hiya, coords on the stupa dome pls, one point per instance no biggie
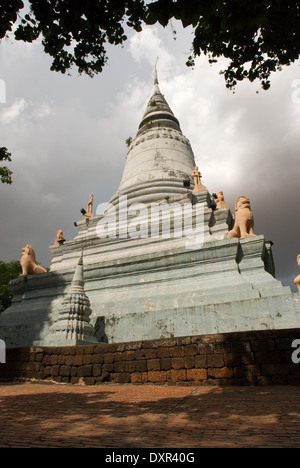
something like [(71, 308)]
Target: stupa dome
[(160, 157)]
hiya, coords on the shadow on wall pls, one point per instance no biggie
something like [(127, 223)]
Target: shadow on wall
[(36, 298)]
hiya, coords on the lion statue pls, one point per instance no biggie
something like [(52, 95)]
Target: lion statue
[(28, 262), (243, 223), (297, 279), (59, 237), (220, 203)]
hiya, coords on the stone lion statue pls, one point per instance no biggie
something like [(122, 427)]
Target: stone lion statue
[(243, 223), (297, 279), (59, 237), (220, 200), (28, 262)]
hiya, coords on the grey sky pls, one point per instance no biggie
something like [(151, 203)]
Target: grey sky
[(67, 137)]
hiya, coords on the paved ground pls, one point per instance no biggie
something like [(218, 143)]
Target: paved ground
[(148, 416)]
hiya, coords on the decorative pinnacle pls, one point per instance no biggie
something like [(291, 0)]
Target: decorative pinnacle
[(156, 88), (77, 284)]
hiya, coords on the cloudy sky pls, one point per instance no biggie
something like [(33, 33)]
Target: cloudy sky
[(67, 138)]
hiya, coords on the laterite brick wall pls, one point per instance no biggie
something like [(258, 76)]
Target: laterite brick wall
[(244, 358)]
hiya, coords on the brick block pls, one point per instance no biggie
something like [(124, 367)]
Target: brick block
[(108, 358), (201, 361), (196, 374), (222, 347), (166, 363), (232, 359), (215, 360), (100, 349), (97, 358), (189, 362), (39, 375), (163, 353), (104, 377), (65, 371), (153, 364), (264, 380), (122, 377), (61, 359), (87, 359), (177, 351), (118, 356), (177, 375), (128, 355), (206, 348), (53, 370), (78, 360), (156, 376), (141, 366), (97, 370), (220, 372), (136, 377), (115, 347), (69, 361), (119, 367), (107, 368), (241, 347), (39, 357), (88, 349), (178, 363), (46, 360), (85, 371), (145, 354), (68, 350), (130, 366), (191, 350)]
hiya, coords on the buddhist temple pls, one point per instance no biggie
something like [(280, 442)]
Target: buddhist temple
[(166, 258)]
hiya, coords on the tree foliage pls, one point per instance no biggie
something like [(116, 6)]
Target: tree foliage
[(8, 271), (257, 37), (5, 173)]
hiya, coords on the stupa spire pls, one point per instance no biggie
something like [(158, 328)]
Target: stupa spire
[(158, 112), (156, 86), (159, 158)]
